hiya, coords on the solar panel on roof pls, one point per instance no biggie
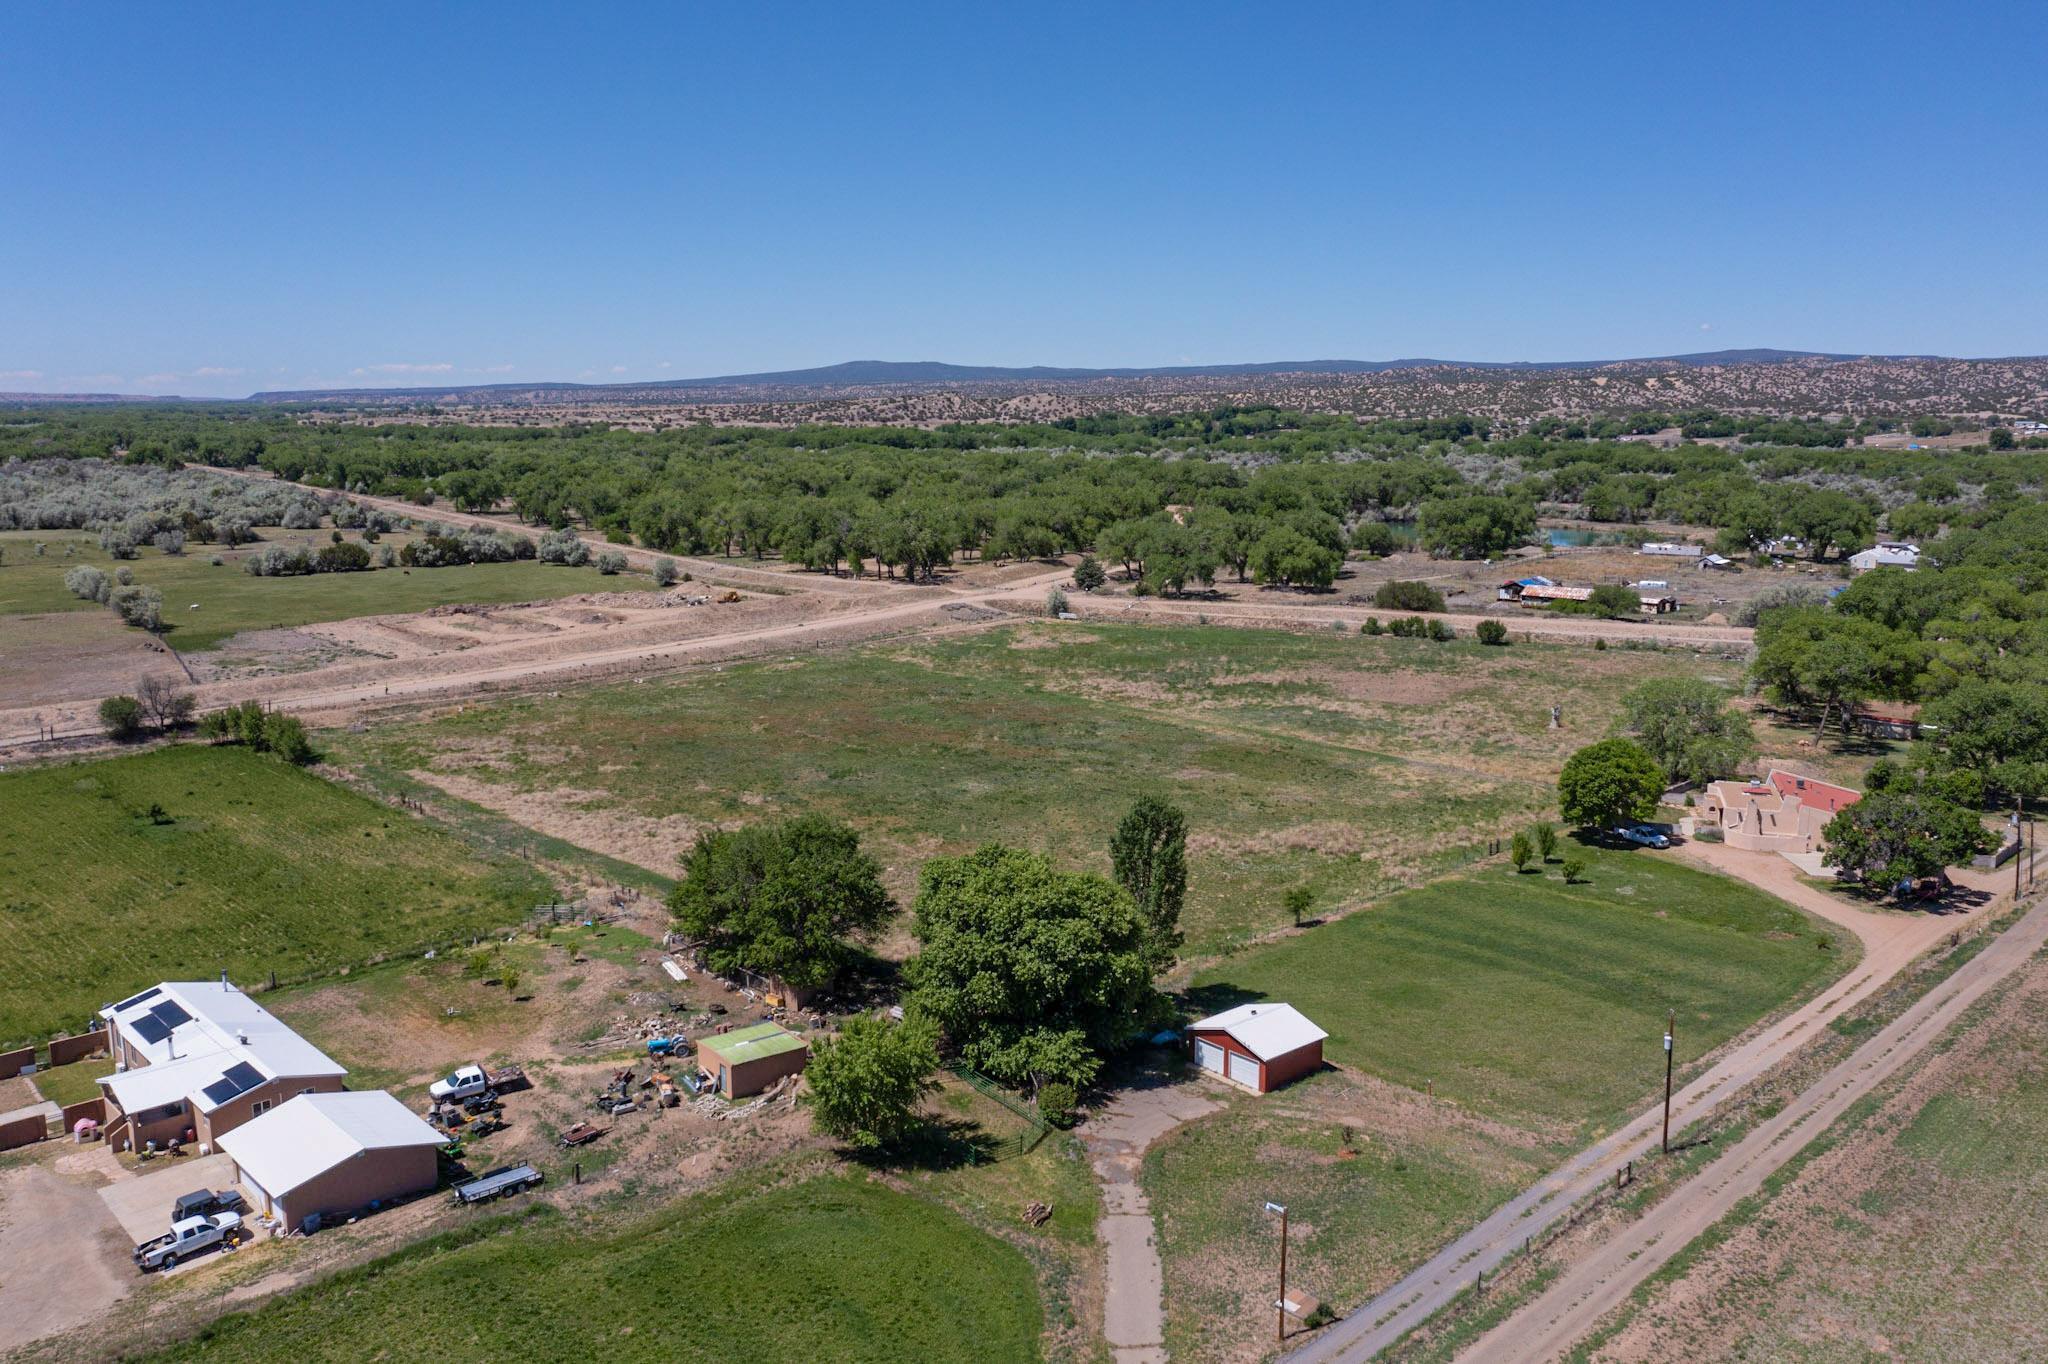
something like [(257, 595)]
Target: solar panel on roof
[(170, 1014), (132, 1000), (220, 1091), (242, 1076), (150, 1028)]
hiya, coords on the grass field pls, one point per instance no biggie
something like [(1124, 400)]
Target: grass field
[(826, 1268), (75, 1083), (1351, 765), (231, 601), (1536, 1003), (1373, 1182), (257, 867)]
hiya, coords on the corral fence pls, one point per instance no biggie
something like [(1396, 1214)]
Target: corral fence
[(1021, 1143)]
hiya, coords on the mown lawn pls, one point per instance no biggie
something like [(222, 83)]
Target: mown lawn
[(72, 1084), (830, 1268), (230, 600), (1043, 737), (1537, 1003), (253, 866)]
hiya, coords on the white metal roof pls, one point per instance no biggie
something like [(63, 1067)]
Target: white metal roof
[(1265, 1030), (307, 1136), (195, 1033)]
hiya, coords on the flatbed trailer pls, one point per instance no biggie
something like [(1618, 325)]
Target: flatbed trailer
[(512, 1179)]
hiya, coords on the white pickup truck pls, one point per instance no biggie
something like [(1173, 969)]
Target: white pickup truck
[(473, 1080), (187, 1238)]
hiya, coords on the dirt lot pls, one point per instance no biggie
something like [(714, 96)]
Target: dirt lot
[(66, 1262)]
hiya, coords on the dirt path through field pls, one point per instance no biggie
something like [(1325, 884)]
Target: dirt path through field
[(1890, 941), (1587, 1292)]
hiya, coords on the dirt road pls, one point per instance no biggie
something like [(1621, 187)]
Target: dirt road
[(1528, 625), (1890, 941), (1573, 1305)]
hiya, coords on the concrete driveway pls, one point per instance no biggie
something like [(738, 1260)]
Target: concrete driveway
[(142, 1205)]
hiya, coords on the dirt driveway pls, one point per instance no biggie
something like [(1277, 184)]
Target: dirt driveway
[(63, 1259)]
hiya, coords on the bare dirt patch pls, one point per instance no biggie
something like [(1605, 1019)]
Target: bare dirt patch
[(590, 819)]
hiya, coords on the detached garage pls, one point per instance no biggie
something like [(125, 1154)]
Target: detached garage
[(332, 1154), (1260, 1046)]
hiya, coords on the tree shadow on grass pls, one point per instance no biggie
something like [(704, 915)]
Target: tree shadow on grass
[(938, 1145)]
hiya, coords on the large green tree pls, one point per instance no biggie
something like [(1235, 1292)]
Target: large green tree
[(866, 1085), (1475, 526), (1687, 726), (1032, 972), (1148, 856), (1892, 838), (786, 900), (1609, 783)]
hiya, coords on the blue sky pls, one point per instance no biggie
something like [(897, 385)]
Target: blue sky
[(217, 198)]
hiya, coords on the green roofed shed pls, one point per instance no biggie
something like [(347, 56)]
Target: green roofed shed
[(748, 1060)]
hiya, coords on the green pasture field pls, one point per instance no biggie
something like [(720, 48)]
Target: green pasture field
[(1354, 766), (1536, 1003), (230, 600), (257, 867), (825, 1268)]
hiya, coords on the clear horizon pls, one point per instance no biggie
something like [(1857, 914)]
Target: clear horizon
[(252, 198)]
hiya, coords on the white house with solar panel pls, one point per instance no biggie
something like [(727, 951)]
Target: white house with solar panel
[(194, 1059)]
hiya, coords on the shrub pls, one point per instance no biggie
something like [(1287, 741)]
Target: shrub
[(1057, 1101), (1055, 603), (386, 557), (125, 576), (1401, 595), (611, 563), (301, 515), (341, 558), (1440, 631), (1574, 868), (664, 572), (1615, 602), (1544, 835), (234, 530), (87, 584), (216, 561), (1089, 574), (117, 543), (121, 717), (1372, 626), (1521, 851), (1492, 632), (286, 737), (334, 536), (561, 547), (142, 607), (170, 541)]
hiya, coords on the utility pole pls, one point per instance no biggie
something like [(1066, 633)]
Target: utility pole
[(2018, 833), (1280, 1329), (1670, 1027)]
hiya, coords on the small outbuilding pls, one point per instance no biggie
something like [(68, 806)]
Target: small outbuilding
[(1261, 1046), (327, 1155), (748, 1060)]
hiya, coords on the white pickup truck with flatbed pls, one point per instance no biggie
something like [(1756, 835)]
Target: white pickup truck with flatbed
[(470, 1081), (187, 1238)]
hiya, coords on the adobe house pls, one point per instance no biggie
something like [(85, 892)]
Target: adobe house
[(1782, 813), (194, 1059), (1260, 1046)]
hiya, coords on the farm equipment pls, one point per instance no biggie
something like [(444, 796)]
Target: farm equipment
[(512, 1179), (485, 1125), (667, 1046), (582, 1134)]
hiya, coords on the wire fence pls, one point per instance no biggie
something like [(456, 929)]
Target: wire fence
[(1019, 1143)]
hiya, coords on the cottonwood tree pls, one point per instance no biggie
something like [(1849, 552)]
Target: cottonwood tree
[(1148, 857), (1893, 838), (162, 702), (1033, 972), (788, 900), (1608, 783), (1688, 727)]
